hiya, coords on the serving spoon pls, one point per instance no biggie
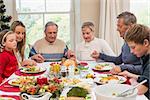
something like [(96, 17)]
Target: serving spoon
[(130, 90)]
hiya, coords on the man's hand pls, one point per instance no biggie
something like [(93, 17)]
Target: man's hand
[(115, 70), (128, 74), (95, 54), (38, 58), (71, 55)]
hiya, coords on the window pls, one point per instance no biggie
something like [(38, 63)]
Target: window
[(36, 13), (141, 9)]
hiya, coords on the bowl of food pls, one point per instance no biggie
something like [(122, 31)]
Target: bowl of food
[(41, 88), (76, 93), (110, 92)]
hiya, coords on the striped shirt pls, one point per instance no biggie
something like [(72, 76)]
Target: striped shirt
[(51, 52)]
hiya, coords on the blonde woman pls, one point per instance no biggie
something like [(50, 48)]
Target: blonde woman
[(19, 28)]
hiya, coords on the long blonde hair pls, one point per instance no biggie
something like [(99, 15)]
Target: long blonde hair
[(20, 45)]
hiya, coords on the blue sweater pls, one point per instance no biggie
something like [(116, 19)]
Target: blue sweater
[(126, 60)]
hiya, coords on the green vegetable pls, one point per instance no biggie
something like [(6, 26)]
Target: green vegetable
[(77, 92)]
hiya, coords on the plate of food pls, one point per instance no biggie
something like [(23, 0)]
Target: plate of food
[(103, 67), (20, 80), (32, 69), (14, 82), (109, 78), (71, 81), (7, 98)]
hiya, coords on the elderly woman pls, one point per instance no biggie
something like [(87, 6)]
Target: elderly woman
[(91, 43)]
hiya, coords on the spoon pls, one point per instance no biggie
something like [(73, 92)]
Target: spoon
[(131, 90)]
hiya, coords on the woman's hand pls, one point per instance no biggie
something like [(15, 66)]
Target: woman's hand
[(28, 63)]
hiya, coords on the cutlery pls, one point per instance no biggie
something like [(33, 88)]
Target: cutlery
[(131, 90)]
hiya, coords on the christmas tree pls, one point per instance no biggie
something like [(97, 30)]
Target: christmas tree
[(4, 20)]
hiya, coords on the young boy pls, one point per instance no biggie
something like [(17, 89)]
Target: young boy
[(138, 39)]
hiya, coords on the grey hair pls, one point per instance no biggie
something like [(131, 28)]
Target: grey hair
[(129, 18), (90, 25), (50, 23)]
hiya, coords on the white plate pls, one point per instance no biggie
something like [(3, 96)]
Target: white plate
[(14, 80), (41, 69), (70, 82), (120, 80), (106, 66), (7, 98)]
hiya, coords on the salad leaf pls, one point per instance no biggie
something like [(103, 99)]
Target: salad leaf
[(77, 92)]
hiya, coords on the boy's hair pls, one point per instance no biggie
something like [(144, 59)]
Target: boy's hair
[(20, 45), (129, 18), (90, 25), (3, 35), (138, 33)]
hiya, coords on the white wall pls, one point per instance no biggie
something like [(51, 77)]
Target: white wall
[(11, 11), (90, 12)]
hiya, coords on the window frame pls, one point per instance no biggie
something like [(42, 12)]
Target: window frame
[(70, 13)]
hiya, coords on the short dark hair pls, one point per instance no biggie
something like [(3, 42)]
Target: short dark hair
[(50, 23), (129, 18), (138, 33)]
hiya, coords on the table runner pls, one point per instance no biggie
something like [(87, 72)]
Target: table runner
[(8, 88), (12, 96)]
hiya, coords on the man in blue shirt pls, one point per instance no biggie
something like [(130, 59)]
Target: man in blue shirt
[(126, 60)]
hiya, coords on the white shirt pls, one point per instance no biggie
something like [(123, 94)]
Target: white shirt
[(85, 49)]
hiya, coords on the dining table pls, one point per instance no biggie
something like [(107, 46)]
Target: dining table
[(7, 90)]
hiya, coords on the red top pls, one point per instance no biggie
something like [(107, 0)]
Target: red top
[(8, 64)]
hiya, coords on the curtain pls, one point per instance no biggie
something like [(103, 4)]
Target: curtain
[(10, 6), (109, 9), (75, 24)]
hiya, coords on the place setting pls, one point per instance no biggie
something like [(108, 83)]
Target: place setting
[(30, 71)]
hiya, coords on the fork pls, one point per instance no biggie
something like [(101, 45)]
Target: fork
[(131, 90)]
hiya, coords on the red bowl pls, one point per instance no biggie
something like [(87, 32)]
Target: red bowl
[(83, 63)]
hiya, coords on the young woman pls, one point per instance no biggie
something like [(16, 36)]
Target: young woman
[(8, 61), (19, 28), (138, 39)]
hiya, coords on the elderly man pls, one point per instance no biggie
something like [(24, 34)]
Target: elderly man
[(126, 60), (49, 48)]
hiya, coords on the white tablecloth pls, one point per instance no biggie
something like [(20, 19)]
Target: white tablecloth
[(47, 66)]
